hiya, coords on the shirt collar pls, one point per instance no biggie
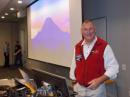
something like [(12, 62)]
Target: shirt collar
[(93, 42)]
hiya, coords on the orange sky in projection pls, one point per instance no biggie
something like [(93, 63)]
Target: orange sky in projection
[(59, 14)]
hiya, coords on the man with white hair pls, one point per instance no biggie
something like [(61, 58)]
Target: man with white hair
[(93, 63)]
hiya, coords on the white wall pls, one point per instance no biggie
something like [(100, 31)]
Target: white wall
[(23, 36), (8, 32)]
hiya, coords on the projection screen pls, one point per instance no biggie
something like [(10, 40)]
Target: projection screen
[(53, 30)]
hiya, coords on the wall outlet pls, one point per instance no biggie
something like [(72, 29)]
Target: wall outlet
[(124, 67)]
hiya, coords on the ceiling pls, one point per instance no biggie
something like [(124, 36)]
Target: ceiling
[(5, 6)]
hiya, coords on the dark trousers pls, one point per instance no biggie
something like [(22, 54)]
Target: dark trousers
[(6, 63), (18, 60)]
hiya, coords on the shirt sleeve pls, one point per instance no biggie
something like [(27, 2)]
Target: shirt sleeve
[(72, 68), (110, 63)]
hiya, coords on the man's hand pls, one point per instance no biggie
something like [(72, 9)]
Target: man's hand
[(96, 82), (74, 82), (14, 54)]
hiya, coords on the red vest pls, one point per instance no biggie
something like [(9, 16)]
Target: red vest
[(92, 67)]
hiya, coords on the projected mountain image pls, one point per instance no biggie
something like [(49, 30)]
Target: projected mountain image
[(51, 37)]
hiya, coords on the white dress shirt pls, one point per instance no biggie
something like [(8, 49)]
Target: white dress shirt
[(110, 63)]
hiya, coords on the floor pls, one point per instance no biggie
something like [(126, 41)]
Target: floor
[(10, 72)]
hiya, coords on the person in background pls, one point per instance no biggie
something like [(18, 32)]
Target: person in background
[(18, 55), (92, 64), (6, 54)]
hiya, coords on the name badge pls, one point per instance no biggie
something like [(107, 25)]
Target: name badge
[(78, 57)]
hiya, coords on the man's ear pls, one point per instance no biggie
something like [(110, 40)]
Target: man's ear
[(81, 29)]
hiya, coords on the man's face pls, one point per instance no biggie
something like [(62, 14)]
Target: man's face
[(88, 31)]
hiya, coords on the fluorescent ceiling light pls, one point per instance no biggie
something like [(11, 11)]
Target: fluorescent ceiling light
[(12, 8), (2, 17), (6, 14), (20, 1)]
